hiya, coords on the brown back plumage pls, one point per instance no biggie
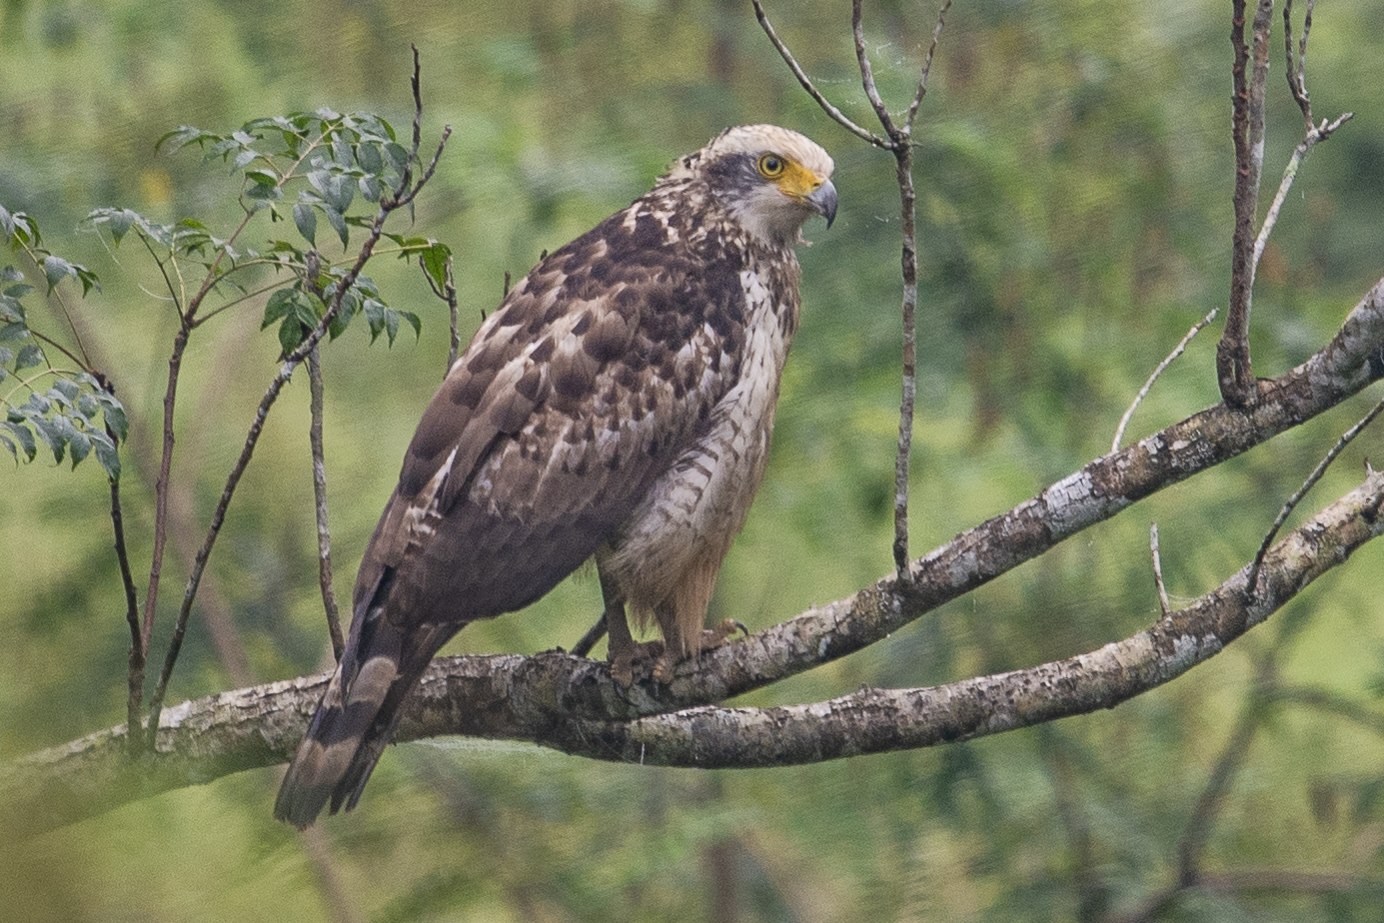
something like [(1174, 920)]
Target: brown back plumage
[(571, 406)]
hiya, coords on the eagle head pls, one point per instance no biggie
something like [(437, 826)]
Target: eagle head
[(770, 179)]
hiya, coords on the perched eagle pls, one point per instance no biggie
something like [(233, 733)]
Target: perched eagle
[(618, 405)]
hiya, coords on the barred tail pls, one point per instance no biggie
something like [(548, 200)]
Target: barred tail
[(353, 722)]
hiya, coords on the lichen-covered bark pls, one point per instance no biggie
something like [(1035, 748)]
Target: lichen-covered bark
[(571, 704)]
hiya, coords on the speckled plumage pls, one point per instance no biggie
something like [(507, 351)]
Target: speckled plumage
[(619, 405)]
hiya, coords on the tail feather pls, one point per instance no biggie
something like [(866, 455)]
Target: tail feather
[(351, 727)]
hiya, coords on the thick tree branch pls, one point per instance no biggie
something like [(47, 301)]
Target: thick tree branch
[(558, 699), (543, 699)]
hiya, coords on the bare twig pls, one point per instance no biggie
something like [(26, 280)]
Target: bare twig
[(403, 193), (1164, 605), (161, 481), (1315, 134), (1233, 367), (921, 90), (836, 114), (1296, 71), (1252, 584), (867, 76), (319, 493), (135, 675), (1154, 376)]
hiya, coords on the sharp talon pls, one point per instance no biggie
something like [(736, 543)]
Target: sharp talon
[(629, 663), (663, 668)]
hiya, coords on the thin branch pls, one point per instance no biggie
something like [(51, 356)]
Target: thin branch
[(921, 90), (1291, 504), (1296, 70), (867, 77), (1156, 374), (55, 296), (1233, 367), (135, 674), (1315, 134), (319, 493), (1164, 604), (836, 114), (161, 482)]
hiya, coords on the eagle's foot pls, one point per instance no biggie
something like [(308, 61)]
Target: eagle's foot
[(666, 662), (633, 660)]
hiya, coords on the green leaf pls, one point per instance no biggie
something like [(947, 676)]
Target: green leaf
[(88, 407), (68, 389), (338, 223), (51, 433), (114, 413), (9, 273), (305, 217), (279, 306), (28, 357), (106, 454), (435, 263), (24, 435), (264, 192), (14, 330), (369, 188), (182, 136), (368, 156), (117, 220), (291, 333), (79, 446), (55, 268)]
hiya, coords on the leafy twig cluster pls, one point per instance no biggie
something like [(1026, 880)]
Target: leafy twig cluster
[(301, 167)]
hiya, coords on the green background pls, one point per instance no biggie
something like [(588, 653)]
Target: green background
[(1074, 175)]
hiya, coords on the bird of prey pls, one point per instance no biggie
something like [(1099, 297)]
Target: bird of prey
[(618, 405)]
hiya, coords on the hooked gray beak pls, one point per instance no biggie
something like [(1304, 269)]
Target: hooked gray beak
[(823, 201)]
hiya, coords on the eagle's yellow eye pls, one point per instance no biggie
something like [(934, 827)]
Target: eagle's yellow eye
[(771, 166)]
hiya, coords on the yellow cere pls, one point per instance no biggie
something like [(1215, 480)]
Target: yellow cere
[(796, 180)]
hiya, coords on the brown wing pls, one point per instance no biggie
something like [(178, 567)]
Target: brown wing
[(573, 397)]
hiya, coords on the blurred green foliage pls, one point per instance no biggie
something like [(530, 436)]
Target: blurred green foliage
[(1075, 177)]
